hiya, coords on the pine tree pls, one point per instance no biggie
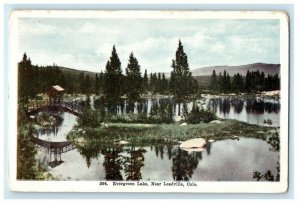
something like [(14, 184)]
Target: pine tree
[(213, 81), (180, 76), (133, 79), (27, 80), (82, 82), (87, 84), (113, 80), (101, 82), (97, 84), (164, 84), (145, 81), (238, 83)]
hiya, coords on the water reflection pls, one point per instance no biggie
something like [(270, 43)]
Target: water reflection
[(133, 163), (253, 111), (221, 161), (113, 163), (184, 163), (57, 133)]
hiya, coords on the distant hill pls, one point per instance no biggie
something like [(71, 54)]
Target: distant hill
[(268, 69), (77, 72)]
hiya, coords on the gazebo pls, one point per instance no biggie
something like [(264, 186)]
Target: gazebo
[(54, 94)]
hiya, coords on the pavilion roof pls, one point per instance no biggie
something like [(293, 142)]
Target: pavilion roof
[(58, 88)]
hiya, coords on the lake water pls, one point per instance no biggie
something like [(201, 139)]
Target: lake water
[(227, 160), (254, 110), (59, 132)]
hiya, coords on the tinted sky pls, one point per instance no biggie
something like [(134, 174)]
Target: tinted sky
[(86, 44)]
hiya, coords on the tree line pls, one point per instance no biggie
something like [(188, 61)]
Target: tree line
[(254, 81), (112, 84)]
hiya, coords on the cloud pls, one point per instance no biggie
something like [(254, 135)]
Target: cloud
[(87, 43)]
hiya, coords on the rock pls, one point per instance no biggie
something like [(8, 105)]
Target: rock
[(104, 124), (183, 124), (215, 121), (81, 140), (177, 118), (234, 137), (198, 149), (193, 143), (123, 142), (32, 117)]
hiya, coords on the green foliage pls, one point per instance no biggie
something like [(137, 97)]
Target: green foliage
[(161, 113), (257, 81), (181, 81), (145, 82), (238, 85), (134, 80), (214, 81), (26, 151), (198, 115), (253, 82), (113, 81), (90, 118), (274, 141)]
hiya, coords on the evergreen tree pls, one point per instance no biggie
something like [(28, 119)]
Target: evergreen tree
[(238, 83), (159, 84), (87, 85), (101, 82), (97, 84), (213, 81), (164, 84), (154, 83), (181, 76), (133, 79), (82, 82), (145, 81), (28, 85), (113, 81)]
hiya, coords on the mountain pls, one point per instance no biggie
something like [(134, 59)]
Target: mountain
[(77, 72), (268, 69)]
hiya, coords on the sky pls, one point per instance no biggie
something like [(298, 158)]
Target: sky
[(86, 44)]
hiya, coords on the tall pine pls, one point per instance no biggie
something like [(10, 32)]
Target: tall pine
[(181, 77), (133, 79), (113, 81)]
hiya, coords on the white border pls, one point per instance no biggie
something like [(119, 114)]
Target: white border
[(93, 186)]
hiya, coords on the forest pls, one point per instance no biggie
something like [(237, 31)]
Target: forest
[(113, 83)]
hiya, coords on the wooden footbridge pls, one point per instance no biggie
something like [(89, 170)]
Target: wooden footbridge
[(54, 148), (71, 107)]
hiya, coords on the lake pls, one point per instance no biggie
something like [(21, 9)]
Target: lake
[(224, 160), (255, 110)]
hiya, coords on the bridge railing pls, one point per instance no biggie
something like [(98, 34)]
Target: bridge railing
[(72, 106)]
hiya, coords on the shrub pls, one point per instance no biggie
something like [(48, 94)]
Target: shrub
[(198, 115), (90, 118)]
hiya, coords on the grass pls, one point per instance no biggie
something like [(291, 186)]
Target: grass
[(143, 134)]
